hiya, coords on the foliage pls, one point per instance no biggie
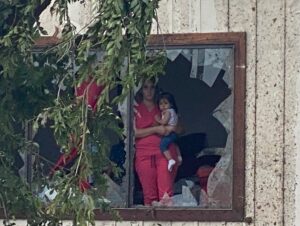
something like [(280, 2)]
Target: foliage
[(36, 88)]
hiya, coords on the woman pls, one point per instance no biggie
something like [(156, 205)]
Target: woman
[(150, 163)]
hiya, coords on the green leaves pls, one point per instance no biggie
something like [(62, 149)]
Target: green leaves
[(40, 87)]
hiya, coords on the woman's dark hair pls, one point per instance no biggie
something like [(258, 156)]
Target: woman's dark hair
[(168, 96), (139, 94)]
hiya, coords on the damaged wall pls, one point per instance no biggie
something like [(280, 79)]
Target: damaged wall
[(272, 96)]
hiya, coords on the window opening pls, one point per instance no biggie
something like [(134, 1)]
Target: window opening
[(203, 79)]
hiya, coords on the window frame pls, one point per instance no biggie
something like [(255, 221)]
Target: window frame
[(236, 214)]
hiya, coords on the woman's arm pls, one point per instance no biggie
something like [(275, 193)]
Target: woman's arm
[(164, 119), (160, 130)]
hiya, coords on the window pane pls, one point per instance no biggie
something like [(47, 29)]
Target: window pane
[(201, 81), (107, 156)]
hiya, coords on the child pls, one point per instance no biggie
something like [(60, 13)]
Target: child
[(168, 118)]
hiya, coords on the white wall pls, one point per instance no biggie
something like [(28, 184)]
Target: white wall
[(272, 102)]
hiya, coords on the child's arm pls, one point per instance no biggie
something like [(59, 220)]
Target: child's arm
[(156, 123), (164, 119), (157, 120)]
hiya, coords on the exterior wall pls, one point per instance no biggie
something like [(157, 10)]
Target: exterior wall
[(292, 116), (269, 113), (272, 98), (80, 16)]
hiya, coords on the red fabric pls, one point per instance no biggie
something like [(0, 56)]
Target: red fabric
[(150, 163), (143, 119), (64, 160), (154, 176), (91, 90), (84, 185), (203, 174)]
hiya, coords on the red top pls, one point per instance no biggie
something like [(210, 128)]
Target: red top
[(144, 118), (91, 90)]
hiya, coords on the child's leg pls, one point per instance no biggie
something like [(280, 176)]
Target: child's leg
[(167, 154), (165, 142), (171, 161)]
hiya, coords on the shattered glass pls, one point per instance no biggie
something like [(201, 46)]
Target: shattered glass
[(208, 76)]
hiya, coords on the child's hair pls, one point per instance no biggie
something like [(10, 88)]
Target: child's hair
[(168, 96)]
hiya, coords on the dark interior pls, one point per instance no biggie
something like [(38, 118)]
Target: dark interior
[(196, 102)]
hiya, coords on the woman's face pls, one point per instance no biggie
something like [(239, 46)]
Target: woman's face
[(148, 90)]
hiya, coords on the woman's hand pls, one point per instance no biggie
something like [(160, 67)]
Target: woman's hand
[(156, 123), (157, 118), (161, 130)]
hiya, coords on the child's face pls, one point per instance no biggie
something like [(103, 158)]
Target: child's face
[(164, 104)]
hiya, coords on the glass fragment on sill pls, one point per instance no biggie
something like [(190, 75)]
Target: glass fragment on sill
[(185, 199), (203, 199), (115, 193), (47, 194), (166, 201)]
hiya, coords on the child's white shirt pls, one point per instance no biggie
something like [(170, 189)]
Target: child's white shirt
[(173, 117)]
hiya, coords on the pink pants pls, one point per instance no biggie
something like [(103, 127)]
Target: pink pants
[(154, 176)]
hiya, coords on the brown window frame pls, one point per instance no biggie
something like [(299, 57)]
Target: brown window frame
[(237, 40), (236, 214)]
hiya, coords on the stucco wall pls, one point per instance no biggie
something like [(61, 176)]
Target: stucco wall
[(80, 15), (272, 97), (272, 102)]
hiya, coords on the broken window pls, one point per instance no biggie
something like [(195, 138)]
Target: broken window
[(206, 75), (201, 80)]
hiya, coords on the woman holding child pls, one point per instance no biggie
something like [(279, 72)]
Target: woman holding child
[(150, 163)]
